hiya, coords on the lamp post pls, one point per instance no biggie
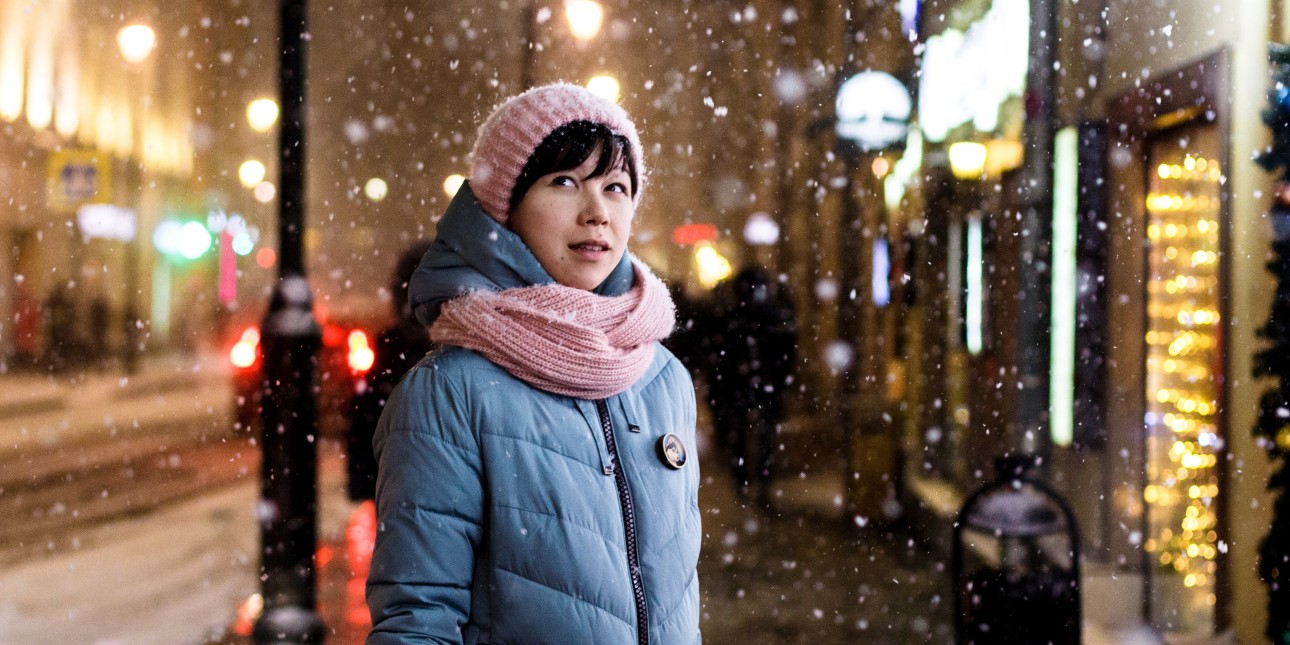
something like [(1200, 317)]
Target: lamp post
[(136, 42), (289, 471)]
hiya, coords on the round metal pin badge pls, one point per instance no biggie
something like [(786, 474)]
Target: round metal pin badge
[(672, 451)]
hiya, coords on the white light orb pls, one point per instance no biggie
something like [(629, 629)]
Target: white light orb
[(136, 42), (261, 114), (376, 189), (251, 173)]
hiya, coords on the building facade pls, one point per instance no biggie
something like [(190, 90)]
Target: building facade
[(1149, 266), (115, 139)]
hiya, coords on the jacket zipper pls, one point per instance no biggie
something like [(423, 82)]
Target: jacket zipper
[(629, 523)]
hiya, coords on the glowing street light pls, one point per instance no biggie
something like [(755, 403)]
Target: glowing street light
[(251, 173), (605, 87), (136, 42), (376, 189), (585, 18), (452, 184), (967, 159), (713, 267), (262, 114)]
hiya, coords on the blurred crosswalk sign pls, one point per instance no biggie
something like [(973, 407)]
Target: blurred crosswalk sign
[(78, 177)]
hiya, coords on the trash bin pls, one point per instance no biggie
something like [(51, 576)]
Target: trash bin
[(1015, 562)]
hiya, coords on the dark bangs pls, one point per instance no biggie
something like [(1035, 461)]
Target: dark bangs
[(568, 147)]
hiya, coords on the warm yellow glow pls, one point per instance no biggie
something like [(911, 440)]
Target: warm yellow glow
[(881, 167), (604, 86), (67, 112), (13, 64), (452, 183), (123, 121), (1002, 155), (376, 189), (262, 114), (251, 173), (40, 74), (585, 18), (967, 159), (713, 267), (1182, 312), (136, 42)]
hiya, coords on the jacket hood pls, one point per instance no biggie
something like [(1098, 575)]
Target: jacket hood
[(473, 251)]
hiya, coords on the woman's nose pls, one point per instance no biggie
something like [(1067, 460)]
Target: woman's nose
[(593, 210)]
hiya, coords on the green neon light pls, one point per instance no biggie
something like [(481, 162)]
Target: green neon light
[(1065, 234)]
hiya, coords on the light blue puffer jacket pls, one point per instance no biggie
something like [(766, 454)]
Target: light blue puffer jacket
[(509, 515)]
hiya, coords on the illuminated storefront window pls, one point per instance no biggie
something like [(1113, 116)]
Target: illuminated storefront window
[(1183, 376)]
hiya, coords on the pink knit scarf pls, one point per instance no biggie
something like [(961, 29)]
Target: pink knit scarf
[(560, 339)]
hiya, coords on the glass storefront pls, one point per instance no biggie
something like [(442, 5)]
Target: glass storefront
[(1183, 375)]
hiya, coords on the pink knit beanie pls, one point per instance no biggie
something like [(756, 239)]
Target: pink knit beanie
[(513, 131)]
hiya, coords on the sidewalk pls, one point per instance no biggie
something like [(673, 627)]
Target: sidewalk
[(62, 410), (30, 392)]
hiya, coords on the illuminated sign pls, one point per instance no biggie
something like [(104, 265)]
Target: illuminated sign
[(873, 110), (106, 222), (77, 177), (967, 76), (687, 234)]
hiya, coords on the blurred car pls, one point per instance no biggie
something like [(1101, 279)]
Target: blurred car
[(344, 360)]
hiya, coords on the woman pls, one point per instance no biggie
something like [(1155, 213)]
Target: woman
[(533, 481)]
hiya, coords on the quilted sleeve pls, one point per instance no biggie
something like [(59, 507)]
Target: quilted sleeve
[(429, 506)]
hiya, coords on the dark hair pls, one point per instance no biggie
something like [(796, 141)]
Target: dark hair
[(568, 147)]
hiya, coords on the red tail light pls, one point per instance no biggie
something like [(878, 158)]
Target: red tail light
[(360, 354), (246, 350), (332, 335)]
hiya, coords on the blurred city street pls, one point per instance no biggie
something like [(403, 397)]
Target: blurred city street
[(128, 504)]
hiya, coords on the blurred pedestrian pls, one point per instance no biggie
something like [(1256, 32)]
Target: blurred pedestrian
[(398, 347), (100, 316), (755, 330), (534, 485), (64, 343), (26, 322)]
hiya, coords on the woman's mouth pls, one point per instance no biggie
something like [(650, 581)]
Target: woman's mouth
[(590, 249)]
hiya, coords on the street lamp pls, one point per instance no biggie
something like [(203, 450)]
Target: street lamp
[(376, 189), (967, 159), (605, 86), (251, 173), (261, 114), (452, 183), (585, 17), (136, 42)]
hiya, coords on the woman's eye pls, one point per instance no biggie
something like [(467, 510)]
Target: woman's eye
[(617, 188), (562, 180)]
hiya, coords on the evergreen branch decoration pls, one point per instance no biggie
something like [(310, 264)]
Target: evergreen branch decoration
[(1272, 429)]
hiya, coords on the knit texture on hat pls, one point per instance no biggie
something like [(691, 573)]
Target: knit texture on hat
[(514, 130), (560, 339)]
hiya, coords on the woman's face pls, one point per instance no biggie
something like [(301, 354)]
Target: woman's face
[(577, 225)]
